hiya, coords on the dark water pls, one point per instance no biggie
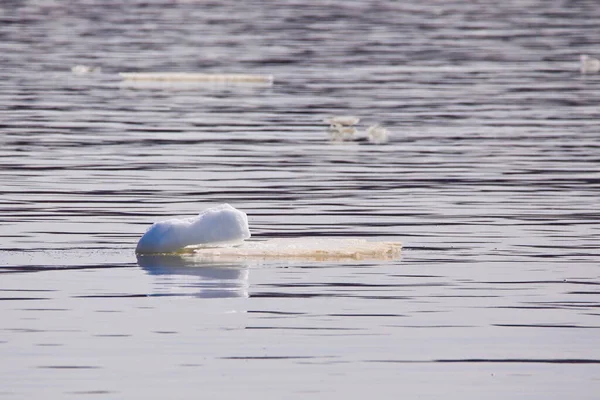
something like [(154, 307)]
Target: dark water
[(491, 179)]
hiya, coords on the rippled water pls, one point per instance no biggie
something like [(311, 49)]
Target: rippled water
[(491, 180)]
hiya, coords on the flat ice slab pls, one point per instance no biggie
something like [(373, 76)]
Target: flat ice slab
[(219, 225), (304, 248), (196, 77)]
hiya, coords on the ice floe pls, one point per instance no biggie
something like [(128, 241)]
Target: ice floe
[(219, 235)]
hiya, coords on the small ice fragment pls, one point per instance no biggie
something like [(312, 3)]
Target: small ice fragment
[(589, 65), (340, 133), (377, 134), (345, 120), (84, 69), (217, 225), (341, 128)]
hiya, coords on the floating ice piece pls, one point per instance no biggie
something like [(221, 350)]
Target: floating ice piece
[(217, 236), (589, 65), (345, 120), (340, 133), (196, 77), (214, 226), (377, 134), (309, 249), (341, 128), (84, 69)]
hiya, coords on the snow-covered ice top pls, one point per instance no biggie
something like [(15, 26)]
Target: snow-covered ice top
[(217, 225)]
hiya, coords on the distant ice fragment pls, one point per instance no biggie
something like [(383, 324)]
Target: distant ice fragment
[(196, 77), (377, 134), (345, 120), (340, 133), (341, 128), (84, 69), (589, 65), (218, 225)]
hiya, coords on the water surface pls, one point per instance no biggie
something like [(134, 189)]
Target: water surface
[(491, 180)]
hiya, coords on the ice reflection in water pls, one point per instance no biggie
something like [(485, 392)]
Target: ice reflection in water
[(176, 273)]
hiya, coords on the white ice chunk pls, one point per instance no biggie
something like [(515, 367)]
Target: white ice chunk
[(589, 65), (214, 226), (341, 133), (345, 120), (377, 134), (84, 69)]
